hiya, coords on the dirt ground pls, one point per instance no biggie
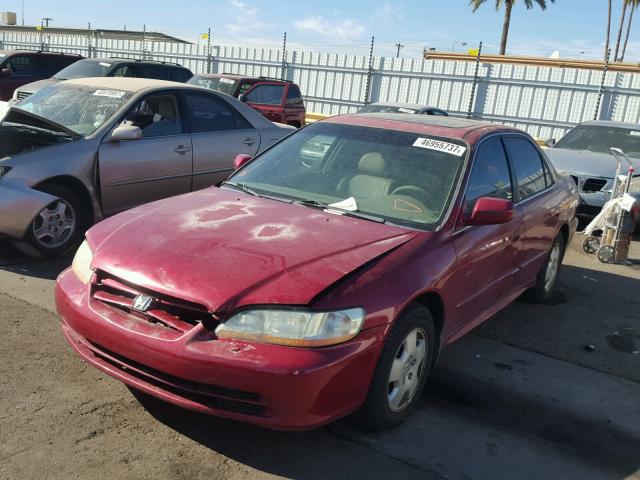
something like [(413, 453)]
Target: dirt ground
[(522, 397)]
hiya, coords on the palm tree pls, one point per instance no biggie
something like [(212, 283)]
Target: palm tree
[(634, 4), (620, 29), (508, 6), (606, 43)]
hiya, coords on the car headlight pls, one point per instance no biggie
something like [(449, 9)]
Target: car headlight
[(81, 265), (294, 328)]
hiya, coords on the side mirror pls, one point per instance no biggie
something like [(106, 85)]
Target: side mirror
[(550, 142), (241, 160), (126, 132), (6, 72), (490, 211), (242, 98)]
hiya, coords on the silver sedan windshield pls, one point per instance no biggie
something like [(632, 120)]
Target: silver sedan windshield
[(81, 109)]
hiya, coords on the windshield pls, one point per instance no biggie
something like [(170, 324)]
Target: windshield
[(386, 109), (601, 138), (79, 108), (84, 69), (403, 178), (224, 85)]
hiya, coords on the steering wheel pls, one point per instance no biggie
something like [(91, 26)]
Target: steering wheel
[(409, 189)]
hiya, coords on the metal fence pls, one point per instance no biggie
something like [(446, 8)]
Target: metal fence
[(545, 101)]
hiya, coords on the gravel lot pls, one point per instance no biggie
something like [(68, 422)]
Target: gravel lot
[(519, 398)]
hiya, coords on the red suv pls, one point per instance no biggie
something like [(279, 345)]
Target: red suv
[(278, 100)]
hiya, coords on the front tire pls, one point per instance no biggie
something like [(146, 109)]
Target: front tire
[(402, 371), (548, 275), (58, 227)]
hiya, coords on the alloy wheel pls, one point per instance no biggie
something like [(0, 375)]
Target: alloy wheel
[(55, 224), (407, 370), (552, 268)]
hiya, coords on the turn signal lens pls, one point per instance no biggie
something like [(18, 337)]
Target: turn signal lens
[(81, 265)]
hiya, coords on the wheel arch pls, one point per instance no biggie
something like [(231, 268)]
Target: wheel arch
[(76, 186), (433, 302)]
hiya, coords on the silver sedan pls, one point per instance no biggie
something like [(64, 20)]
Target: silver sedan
[(81, 150)]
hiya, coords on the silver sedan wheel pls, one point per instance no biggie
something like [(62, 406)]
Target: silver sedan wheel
[(55, 224), (552, 268), (407, 370)]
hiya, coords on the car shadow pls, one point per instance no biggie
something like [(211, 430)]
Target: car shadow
[(11, 260)]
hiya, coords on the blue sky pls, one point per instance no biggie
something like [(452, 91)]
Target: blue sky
[(570, 26)]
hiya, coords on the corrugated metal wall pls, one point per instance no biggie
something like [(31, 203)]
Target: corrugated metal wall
[(545, 101)]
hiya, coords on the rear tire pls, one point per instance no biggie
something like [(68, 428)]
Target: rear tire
[(402, 370), (547, 277), (57, 228)]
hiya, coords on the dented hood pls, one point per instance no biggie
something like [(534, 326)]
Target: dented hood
[(226, 249)]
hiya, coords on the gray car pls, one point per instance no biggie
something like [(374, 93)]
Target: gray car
[(410, 108), (80, 150), (584, 154)]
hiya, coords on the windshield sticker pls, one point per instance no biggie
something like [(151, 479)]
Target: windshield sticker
[(104, 64), (346, 204), (635, 133), (227, 80), (109, 93), (440, 146), (405, 110)]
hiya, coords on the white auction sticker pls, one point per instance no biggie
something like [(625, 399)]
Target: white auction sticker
[(227, 80), (635, 133), (104, 64), (109, 93), (440, 146)]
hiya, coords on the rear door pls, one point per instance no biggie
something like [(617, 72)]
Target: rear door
[(218, 134), (156, 166), (268, 98), (539, 202), (487, 254)]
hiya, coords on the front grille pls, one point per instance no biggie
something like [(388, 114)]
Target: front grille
[(593, 185), (22, 95), (212, 396), (164, 311)]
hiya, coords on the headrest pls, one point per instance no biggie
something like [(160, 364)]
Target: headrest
[(372, 163)]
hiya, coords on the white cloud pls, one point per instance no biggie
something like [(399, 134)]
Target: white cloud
[(388, 13), (328, 28), (245, 18)]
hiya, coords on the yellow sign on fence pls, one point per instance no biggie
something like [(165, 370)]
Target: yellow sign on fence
[(474, 52)]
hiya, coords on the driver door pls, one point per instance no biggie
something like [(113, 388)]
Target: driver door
[(156, 166)]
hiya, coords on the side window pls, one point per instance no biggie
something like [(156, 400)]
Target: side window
[(157, 116), (265, 95), (159, 72), (244, 87), (527, 166), (122, 71), (208, 114), (489, 175), (20, 65), (548, 176), (177, 74), (439, 113), (294, 97)]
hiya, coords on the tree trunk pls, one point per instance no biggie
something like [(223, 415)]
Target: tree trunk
[(626, 39), (606, 43), (505, 26), (623, 15)]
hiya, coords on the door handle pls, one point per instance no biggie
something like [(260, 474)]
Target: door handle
[(249, 141), (181, 149)]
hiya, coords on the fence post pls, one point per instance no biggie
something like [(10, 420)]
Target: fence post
[(144, 42), (602, 82), (42, 36), (283, 71), (476, 79), (89, 46), (209, 50), (367, 91)]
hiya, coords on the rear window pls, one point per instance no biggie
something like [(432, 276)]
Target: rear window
[(224, 85), (265, 94)]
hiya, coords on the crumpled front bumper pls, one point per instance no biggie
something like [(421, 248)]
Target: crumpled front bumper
[(19, 204)]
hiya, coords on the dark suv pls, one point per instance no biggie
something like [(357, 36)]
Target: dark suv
[(278, 100), (110, 67), (19, 67)]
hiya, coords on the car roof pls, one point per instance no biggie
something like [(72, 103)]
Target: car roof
[(117, 61), (414, 106), (127, 84), (452, 127), (39, 52), (610, 123), (234, 76)]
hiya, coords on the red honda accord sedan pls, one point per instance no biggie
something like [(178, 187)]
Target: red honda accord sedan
[(326, 274)]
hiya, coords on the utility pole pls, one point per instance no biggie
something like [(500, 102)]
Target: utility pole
[(398, 47), (23, 13), (46, 21)]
